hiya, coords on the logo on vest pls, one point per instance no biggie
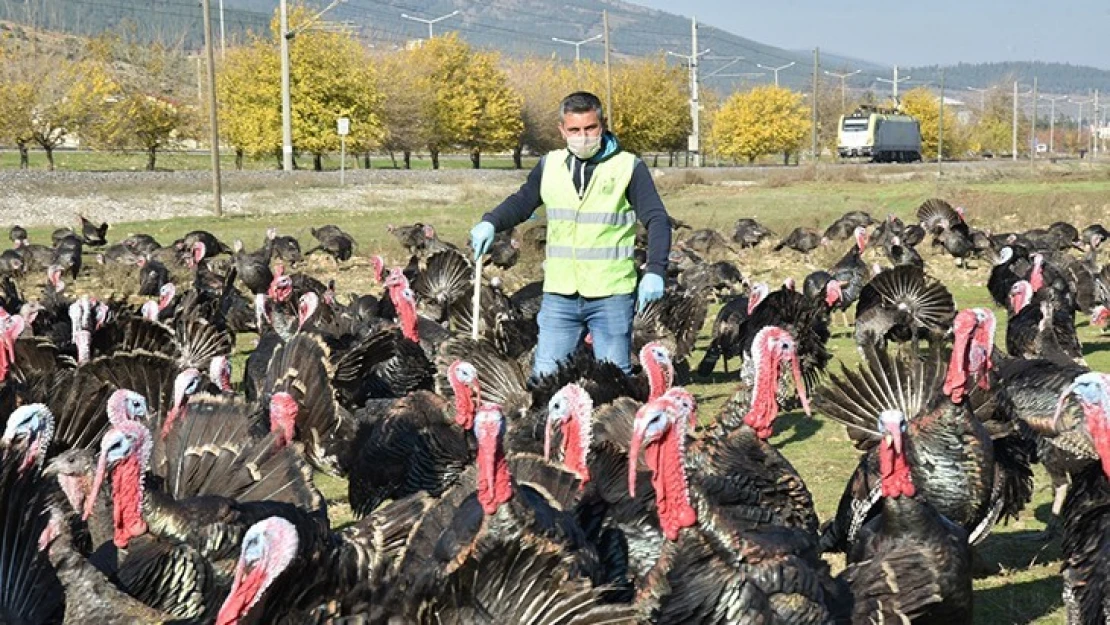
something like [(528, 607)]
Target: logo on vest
[(607, 187)]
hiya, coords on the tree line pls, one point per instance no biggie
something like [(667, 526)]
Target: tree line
[(442, 96)]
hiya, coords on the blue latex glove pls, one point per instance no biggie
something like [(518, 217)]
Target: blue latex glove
[(651, 289), (481, 236)]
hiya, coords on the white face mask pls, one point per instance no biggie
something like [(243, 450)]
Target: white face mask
[(583, 146)]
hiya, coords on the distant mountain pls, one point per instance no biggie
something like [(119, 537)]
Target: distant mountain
[(1059, 78), (526, 27)]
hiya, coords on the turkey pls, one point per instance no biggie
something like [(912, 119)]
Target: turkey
[(1039, 327), (901, 254), (253, 269), (948, 228), (209, 481), (674, 320), (708, 242), (287, 569), (153, 275), (800, 239), (909, 563), (749, 233), (419, 444), (32, 590), (508, 497), (708, 569), (285, 248), (332, 241), (970, 478), (92, 234), (804, 319), (1086, 512), (1028, 397), (67, 255), (903, 305), (1012, 264), (726, 329), (851, 272)]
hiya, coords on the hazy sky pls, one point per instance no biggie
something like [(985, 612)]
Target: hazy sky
[(918, 33)]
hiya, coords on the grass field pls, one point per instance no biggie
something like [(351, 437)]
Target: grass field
[(1028, 589)]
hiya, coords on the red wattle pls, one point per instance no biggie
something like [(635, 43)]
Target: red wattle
[(895, 472), (668, 477), (494, 487), (574, 457), (245, 587), (127, 495)]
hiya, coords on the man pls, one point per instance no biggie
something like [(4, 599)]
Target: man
[(594, 193)]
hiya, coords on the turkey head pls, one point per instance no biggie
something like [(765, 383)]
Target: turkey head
[(571, 409), (463, 378), (771, 347), (661, 432), (269, 546), (29, 430), (125, 453)]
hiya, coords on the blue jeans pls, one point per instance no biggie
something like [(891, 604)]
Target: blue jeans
[(563, 322)]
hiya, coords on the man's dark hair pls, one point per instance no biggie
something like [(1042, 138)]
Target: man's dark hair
[(581, 102)]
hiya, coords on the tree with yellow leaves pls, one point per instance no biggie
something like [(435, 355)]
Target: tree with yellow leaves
[(542, 85), (473, 106), (408, 102), (762, 121), (148, 110), (331, 77), (16, 95), (924, 106), (248, 88), (650, 101), (495, 124), (49, 98)]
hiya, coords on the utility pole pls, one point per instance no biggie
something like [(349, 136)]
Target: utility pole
[(1033, 128), (1052, 121), (608, 66), (286, 103), (213, 118), (1097, 126), (1013, 148), (940, 124), (223, 34), (577, 45), (813, 120), (286, 100), (843, 85), (894, 83), (776, 70), (1079, 122), (692, 58), (432, 22)]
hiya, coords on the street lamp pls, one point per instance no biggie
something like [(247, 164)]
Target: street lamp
[(843, 85), (577, 45), (430, 22), (776, 70)]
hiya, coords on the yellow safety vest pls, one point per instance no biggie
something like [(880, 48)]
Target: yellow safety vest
[(590, 241)]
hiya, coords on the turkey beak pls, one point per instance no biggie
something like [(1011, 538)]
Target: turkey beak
[(800, 383), (893, 438)]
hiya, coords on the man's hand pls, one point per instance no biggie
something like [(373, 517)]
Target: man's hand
[(651, 289), (481, 236)]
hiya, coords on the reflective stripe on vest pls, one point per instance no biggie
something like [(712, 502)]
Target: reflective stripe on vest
[(590, 240)]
